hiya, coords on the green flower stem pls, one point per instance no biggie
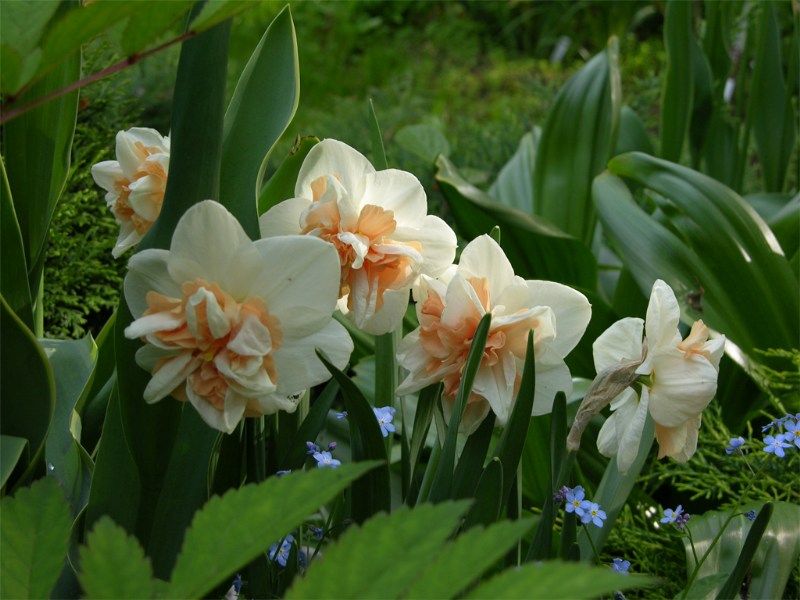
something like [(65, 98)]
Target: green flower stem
[(386, 367), (591, 543), (734, 513), (38, 310), (430, 471)]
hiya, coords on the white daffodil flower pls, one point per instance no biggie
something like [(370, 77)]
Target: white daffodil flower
[(135, 183), (376, 221), (232, 325), (680, 379), (449, 313)]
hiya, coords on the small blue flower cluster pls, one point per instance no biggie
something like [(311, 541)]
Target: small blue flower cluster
[(621, 566), (589, 512), (280, 554), (323, 457), (385, 414), (676, 517), (777, 444)]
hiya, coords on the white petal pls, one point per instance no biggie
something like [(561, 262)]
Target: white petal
[(144, 326), (210, 244), (473, 416), (129, 155), (398, 191), (225, 420), (331, 157), (283, 218), (274, 402), (438, 244), (663, 316), (170, 376), (299, 279), (218, 322), (715, 348), (106, 174), (128, 238), (632, 434), (147, 271), (246, 376), (148, 356), (552, 376), (253, 339), (461, 302), (622, 342), (572, 309), (496, 384), (297, 363), (682, 387), (483, 257), (146, 195)]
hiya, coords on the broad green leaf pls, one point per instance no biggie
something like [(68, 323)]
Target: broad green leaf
[(770, 109), (782, 214), (423, 140), (734, 255), (381, 573), (514, 184), (148, 22), (185, 488), (777, 554), (116, 487), (14, 274), (34, 535), (556, 580), (281, 185), (229, 532), (632, 136), (577, 140), (467, 558), (113, 564), (536, 249), (37, 148), (371, 494), (734, 583), (11, 450), (27, 395), (21, 29), (678, 90), (442, 487), (262, 106), (72, 362), (702, 103), (613, 492)]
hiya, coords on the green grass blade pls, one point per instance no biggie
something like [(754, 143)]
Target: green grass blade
[(442, 486), (376, 137), (229, 532), (261, 109), (472, 458), (426, 405)]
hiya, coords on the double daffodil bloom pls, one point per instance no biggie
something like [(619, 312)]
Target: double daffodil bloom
[(376, 221), (449, 311), (679, 379), (135, 183), (232, 325)]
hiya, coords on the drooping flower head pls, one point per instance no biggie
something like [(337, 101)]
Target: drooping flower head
[(231, 325), (680, 380), (376, 220), (449, 311), (135, 183)]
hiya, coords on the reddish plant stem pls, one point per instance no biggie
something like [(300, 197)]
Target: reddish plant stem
[(76, 85)]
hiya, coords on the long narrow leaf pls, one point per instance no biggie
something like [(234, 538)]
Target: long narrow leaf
[(14, 274), (678, 91)]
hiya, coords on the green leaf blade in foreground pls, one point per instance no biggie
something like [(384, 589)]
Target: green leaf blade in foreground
[(514, 184), (536, 249), (577, 140), (14, 274), (556, 581), (776, 556), (34, 536), (229, 532), (261, 109), (373, 547), (113, 564)]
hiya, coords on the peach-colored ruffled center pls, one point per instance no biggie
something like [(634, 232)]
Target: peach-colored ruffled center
[(385, 268), (209, 339), (694, 344), (448, 347), (122, 208)]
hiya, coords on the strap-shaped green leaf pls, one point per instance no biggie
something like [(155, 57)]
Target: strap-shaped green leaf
[(426, 405), (12, 449), (514, 184), (371, 494), (27, 395), (734, 583), (262, 106), (229, 532), (281, 185), (34, 535), (113, 564), (678, 91), (14, 274), (536, 248), (577, 140)]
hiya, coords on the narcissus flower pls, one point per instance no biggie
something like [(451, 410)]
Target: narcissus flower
[(135, 183), (679, 379), (232, 325), (449, 311), (376, 221)]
